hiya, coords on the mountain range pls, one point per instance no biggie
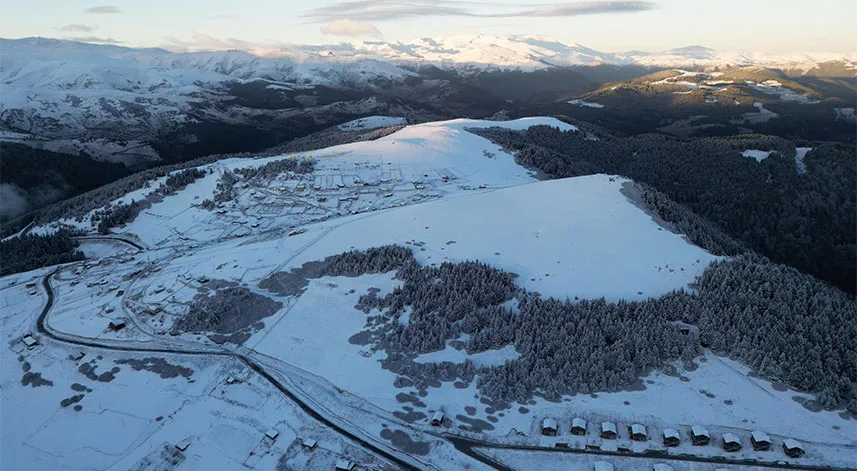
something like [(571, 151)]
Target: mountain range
[(143, 106)]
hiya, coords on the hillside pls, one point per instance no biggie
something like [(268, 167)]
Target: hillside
[(234, 311)]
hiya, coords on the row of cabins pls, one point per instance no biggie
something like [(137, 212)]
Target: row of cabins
[(699, 436), (608, 430)]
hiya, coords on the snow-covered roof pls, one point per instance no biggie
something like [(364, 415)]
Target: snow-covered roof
[(760, 436), (182, 445), (29, 340), (345, 465), (638, 429), (550, 424), (272, 433), (699, 431), (603, 466), (608, 427), (791, 443), (731, 438), (437, 416), (578, 422), (309, 442), (663, 467), (671, 433)]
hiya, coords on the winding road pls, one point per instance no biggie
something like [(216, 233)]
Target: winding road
[(47, 332), (465, 445)]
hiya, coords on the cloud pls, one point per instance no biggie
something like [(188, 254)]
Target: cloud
[(93, 39), (346, 27), (224, 16), (383, 10), (77, 28), (14, 200), (204, 42), (102, 9)]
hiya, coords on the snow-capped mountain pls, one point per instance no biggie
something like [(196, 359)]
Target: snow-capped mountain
[(132, 105)]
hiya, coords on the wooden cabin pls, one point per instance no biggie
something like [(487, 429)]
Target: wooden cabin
[(760, 440), (609, 431), (549, 427), (578, 426), (731, 442), (671, 437), (638, 433), (699, 435), (793, 448)]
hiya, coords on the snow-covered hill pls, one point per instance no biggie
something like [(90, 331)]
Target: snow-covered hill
[(445, 194), (131, 105)]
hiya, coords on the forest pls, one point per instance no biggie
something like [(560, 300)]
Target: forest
[(783, 324), (30, 251), (805, 219)]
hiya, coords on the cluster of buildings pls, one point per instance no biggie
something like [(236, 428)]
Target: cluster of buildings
[(670, 437)]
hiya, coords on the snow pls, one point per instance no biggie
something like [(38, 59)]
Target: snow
[(800, 153), (372, 122), (775, 88), (103, 248), (759, 155), (131, 418), (610, 247), (587, 104), (487, 358), (573, 237)]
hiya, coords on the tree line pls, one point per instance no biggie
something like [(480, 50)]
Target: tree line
[(30, 251), (808, 221), (780, 322)]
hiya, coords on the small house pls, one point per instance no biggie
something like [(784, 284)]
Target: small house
[(437, 418), (609, 431), (662, 467), (699, 435), (182, 445), (309, 443), (231, 380), (272, 434), (731, 442), (671, 437), (638, 432), (549, 427), (345, 465), (793, 448), (603, 466), (116, 326), (760, 440), (29, 341), (578, 426)]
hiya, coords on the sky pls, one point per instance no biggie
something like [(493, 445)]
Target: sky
[(767, 26)]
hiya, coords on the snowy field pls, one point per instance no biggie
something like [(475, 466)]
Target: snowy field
[(563, 238), (418, 163), (584, 103), (445, 193), (758, 155), (372, 122)]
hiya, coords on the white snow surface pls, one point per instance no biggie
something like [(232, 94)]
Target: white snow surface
[(757, 154), (564, 238), (800, 153), (425, 152), (372, 122), (584, 103)]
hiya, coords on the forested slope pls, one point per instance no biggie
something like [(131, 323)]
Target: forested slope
[(804, 219)]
